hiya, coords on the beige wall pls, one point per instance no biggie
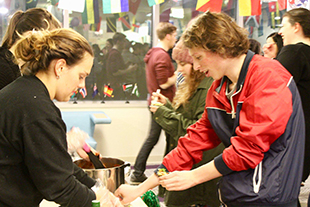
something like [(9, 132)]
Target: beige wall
[(125, 135)]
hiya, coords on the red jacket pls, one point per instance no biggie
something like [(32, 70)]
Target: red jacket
[(262, 124)]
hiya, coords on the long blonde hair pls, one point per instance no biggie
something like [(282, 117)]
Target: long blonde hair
[(187, 89)]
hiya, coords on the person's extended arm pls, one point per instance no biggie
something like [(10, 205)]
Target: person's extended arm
[(182, 180), (131, 68), (171, 81), (128, 193)]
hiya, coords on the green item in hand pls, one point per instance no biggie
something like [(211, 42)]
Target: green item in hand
[(150, 199)]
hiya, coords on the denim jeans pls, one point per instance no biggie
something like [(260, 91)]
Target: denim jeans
[(148, 145)]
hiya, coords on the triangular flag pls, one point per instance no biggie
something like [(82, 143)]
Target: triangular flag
[(211, 5), (133, 6)]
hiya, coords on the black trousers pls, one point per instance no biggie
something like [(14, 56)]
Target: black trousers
[(148, 145)]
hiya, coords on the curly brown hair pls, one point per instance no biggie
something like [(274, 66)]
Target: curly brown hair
[(218, 33)]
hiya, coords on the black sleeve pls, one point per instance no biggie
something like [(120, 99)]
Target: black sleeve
[(289, 57), (51, 166), (83, 177), (6, 74)]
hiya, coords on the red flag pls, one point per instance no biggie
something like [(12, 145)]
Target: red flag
[(108, 91), (272, 6), (282, 4), (211, 5), (133, 6)]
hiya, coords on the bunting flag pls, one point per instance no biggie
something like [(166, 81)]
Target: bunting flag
[(249, 7), (133, 6), (108, 91), (127, 87), (272, 6), (99, 25), (55, 2), (95, 92), (96, 11), (84, 15), (135, 91), (72, 5), (282, 4), (111, 24), (31, 4), (83, 91), (211, 5), (90, 11), (154, 2), (125, 22), (115, 6)]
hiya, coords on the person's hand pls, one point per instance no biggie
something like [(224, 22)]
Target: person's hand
[(133, 67), (153, 108), (107, 199), (158, 97), (127, 193), (76, 139), (178, 180), (84, 155)]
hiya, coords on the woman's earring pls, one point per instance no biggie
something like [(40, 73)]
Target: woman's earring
[(57, 77)]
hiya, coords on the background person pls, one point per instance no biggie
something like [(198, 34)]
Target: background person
[(253, 107), (159, 75), (34, 162), (255, 46), (186, 108), (295, 57), (117, 70), (20, 23), (273, 46)]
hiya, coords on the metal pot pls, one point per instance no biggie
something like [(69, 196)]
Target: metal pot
[(112, 176)]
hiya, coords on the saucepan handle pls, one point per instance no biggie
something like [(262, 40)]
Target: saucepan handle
[(127, 168)]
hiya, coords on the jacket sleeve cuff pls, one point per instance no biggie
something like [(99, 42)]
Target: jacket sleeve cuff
[(161, 170), (221, 165)]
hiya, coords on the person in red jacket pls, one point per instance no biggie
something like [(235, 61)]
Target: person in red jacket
[(253, 107)]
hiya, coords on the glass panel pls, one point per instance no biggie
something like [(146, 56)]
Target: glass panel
[(136, 25)]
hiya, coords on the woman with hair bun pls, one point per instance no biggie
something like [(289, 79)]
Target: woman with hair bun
[(20, 23), (34, 162)]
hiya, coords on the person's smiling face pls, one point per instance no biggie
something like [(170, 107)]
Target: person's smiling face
[(207, 62), (287, 31)]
